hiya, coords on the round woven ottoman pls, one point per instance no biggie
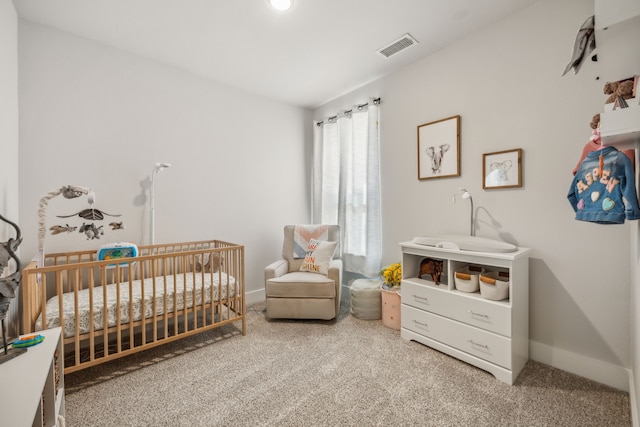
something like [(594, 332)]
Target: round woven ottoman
[(365, 299)]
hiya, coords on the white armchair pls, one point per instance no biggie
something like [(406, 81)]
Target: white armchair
[(295, 294)]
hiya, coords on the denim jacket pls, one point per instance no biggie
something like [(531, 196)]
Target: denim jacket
[(608, 198)]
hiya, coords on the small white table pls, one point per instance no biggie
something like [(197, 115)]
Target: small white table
[(29, 384)]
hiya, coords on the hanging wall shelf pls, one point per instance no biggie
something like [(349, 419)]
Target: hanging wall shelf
[(621, 128), (617, 24)]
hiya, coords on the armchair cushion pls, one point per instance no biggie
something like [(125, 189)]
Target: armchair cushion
[(301, 285), (319, 255)]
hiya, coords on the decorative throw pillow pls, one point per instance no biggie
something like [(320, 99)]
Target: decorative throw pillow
[(303, 234), (319, 256)]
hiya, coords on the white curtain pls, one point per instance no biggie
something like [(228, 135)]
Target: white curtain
[(346, 184)]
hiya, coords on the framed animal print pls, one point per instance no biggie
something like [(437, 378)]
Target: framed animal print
[(502, 169), (439, 148)]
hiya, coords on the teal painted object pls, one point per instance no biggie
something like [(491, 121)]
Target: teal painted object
[(28, 341)]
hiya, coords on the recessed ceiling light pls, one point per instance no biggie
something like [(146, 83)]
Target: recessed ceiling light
[(281, 4)]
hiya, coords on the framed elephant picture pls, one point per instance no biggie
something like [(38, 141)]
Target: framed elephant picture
[(502, 169), (439, 148)]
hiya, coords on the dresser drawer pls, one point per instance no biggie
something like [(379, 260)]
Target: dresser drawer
[(477, 342), (470, 309)]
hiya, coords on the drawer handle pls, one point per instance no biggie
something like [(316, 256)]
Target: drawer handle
[(472, 342), (421, 324), (473, 313), (425, 299)]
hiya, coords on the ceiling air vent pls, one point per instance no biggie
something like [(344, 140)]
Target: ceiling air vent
[(397, 45)]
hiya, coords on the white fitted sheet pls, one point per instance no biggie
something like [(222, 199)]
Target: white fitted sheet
[(181, 292)]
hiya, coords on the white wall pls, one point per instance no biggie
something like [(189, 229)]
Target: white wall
[(9, 132), (8, 116), (98, 117), (505, 82)]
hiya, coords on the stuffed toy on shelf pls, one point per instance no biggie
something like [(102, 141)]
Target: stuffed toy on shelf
[(622, 89)]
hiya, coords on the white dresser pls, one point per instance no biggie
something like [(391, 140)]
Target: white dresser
[(492, 335)]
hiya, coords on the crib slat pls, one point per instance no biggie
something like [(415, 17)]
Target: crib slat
[(131, 315), (118, 311), (105, 317), (91, 286), (155, 308), (76, 312), (144, 301), (165, 305)]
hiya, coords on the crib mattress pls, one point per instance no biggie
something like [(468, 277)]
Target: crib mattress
[(180, 291)]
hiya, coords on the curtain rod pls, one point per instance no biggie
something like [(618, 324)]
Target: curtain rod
[(374, 101)]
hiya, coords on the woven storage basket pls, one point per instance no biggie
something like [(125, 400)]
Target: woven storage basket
[(494, 285), (467, 278)]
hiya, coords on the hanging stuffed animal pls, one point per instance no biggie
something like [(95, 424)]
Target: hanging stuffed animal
[(116, 225), (57, 229), (91, 231)]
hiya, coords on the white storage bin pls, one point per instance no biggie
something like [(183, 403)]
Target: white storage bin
[(467, 278), (494, 285)]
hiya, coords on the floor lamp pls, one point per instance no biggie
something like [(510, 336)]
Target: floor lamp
[(157, 168)]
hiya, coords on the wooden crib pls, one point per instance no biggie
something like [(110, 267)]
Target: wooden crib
[(113, 308)]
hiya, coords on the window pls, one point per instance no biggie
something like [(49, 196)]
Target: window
[(347, 185)]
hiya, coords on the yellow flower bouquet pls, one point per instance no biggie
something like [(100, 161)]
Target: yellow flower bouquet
[(392, 276)]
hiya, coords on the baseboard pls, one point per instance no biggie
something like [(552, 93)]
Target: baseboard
[(593, 369), (633, 400), (253, 297)]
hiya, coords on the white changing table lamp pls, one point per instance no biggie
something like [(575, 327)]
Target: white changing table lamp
[(157, 168), (467, 195)]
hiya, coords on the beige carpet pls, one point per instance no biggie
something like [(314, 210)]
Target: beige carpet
[(348, 372)]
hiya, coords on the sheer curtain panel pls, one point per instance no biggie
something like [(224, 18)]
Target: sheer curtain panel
[(346, 184)]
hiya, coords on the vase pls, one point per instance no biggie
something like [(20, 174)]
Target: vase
[(391, 309)]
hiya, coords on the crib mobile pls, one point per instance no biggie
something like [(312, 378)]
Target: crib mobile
[(90, 229)]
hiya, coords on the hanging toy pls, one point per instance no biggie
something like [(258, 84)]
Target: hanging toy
[(90, 213), (597, 139), (91, 231), (595, 126), (57, 229), (116, 225)]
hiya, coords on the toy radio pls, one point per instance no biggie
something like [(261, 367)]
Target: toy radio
[(116, 251)]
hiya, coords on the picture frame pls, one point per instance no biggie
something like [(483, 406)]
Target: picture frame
[(502, 169), (439, 148)]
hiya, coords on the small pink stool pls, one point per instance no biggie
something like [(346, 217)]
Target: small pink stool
[(391, 309)]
